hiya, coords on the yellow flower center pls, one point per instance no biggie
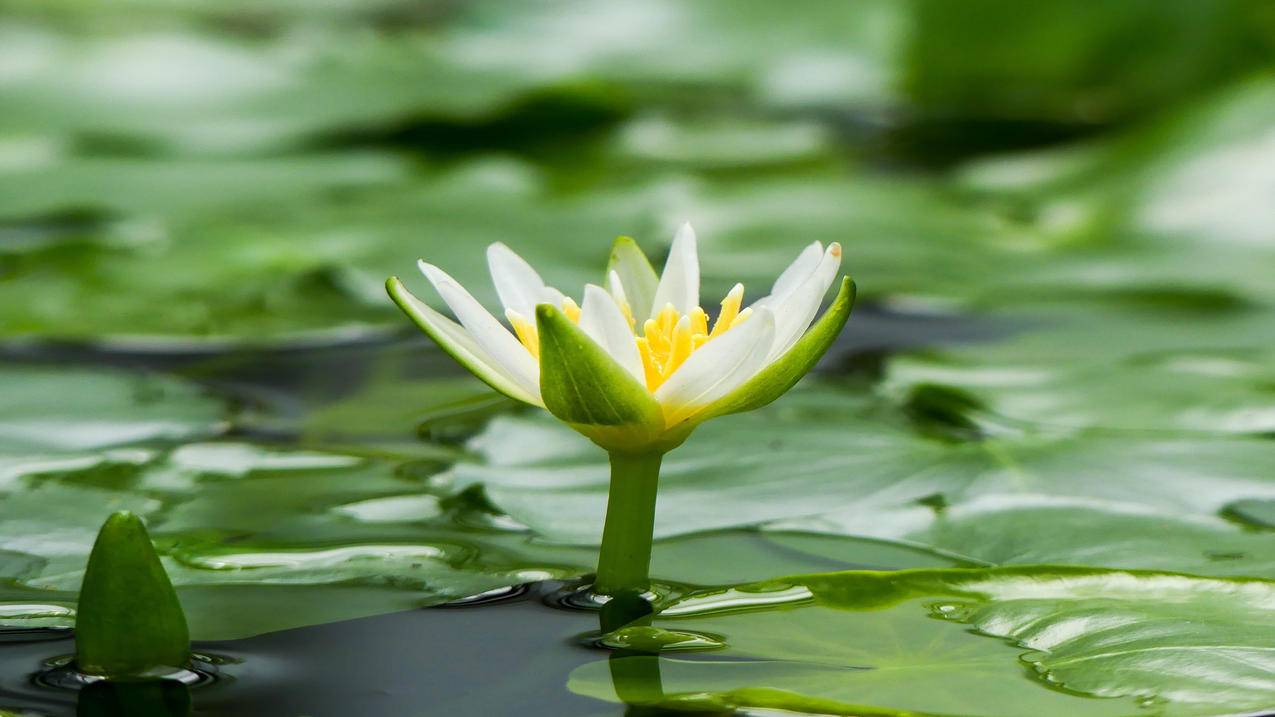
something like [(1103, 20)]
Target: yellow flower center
[(668, 338)]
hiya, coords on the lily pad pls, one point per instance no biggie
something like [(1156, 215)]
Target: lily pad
[(316, 268), (1201, 392), (221, 93), (1174, 206), (1093, 642), (168, 190), (1258, 513), (810, 54), (829, 460), (908, 235), (263, 264), (1071, 62), (52, 409), (259, 539), (716, 143)]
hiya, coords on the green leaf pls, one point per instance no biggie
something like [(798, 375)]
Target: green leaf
[(1043, 69), (804, 456), (128, 620), (637, 276), (1164, 208), (181, 189), (1097, 642), (300, 266), (582, 385), (722, 142), (46, 410), (1200, 391), (249, 103), (1257, 513), (390, 410), (837, 461), (781, 375), (259, 539), (296, 267)]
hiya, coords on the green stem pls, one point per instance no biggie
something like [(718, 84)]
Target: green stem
[(625, 559)]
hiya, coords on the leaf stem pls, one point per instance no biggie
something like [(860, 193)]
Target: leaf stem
[(625, 559)]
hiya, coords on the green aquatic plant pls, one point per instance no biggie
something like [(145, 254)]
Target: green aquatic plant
[(129, 622), (636, 366)]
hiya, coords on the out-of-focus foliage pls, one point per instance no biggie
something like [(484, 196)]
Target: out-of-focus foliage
[(1060, 61), (259, 169)]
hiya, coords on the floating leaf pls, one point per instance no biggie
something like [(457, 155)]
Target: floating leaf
[(1204, 392), (832, 461), (1072, 63), (48, 409), (1173, 208), (916, 641), (721, 143)]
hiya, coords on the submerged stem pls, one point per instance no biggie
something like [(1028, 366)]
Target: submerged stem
[(625, 558)]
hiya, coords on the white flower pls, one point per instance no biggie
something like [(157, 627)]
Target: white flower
[(651, 329)]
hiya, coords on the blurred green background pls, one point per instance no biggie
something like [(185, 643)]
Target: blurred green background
[(176, 172)]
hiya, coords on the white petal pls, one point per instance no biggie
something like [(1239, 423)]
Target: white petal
[(617, 288), (603, 321), (797, 272), (519, 286), (505, 350), (717, 368), (457, 342), (794, 311), (679, 284)]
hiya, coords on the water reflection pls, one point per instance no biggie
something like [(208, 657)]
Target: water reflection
[(637, 682), (147, 698)]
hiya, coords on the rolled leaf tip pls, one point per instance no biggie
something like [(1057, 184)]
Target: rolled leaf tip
[(129, 621)]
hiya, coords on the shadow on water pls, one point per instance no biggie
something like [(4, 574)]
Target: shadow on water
[(501, 657), (294, 378), (510, 655)]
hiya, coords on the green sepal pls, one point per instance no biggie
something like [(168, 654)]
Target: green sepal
[(582, 385), (129, 620), (453, 340), (775, 380), (636, 274)]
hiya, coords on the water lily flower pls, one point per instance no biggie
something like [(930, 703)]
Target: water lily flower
[(637, 363)]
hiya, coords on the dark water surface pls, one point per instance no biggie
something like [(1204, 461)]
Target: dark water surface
[(508, 656)]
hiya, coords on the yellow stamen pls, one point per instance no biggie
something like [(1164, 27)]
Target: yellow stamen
[(699, 321), (667, 319), (571, 309), (654, 337), (628, 314), (668, 339), (652, 370), (525, 331), (730, 310), (682, 345)]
